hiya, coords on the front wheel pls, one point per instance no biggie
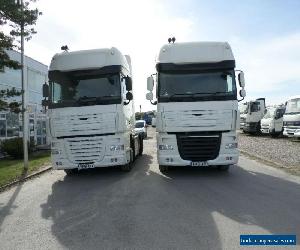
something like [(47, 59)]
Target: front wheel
[(141, 146), (163, 168), (71, 171), (127, 167), (223, 167)]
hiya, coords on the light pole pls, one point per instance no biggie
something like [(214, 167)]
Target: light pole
[(24, 106)]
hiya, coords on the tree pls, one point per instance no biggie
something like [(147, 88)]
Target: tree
[(12, 17)]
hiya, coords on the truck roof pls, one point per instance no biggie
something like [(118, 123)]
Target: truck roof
[(195, 52), (293, 97), (89, 59)]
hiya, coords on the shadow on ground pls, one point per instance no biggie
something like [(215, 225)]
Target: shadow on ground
[(106, 208)]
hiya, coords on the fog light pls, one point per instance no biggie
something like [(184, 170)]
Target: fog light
[(58, 163), (228, 158), (165, 147), (231, 145), (116, 147), (55, 152)]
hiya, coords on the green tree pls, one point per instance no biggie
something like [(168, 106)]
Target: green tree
[(12, 16)]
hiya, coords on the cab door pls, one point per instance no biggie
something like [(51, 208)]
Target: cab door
[(278, 120)]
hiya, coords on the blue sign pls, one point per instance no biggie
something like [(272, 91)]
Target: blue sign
[(267, 240)]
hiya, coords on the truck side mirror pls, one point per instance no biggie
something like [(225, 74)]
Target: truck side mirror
[(150, 83), (241, 78), (45, 90), (149, 96), (45, 103), (128, 83), (129, 96), (243, 93)]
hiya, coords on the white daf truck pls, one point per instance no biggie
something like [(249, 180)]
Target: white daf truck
[(91, 110), (197, 105), (252, 116), (272, 122), (291, 118)]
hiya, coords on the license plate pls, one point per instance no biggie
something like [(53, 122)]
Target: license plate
[(199, 163), (85, 166)]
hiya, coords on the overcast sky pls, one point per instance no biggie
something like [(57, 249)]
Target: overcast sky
[(264, 36)]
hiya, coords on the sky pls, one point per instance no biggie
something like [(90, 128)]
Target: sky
[(264, 36)]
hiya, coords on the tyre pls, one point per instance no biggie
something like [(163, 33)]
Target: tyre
[(141, 146), (163, 168), (71, 171), (133, 149), (127, 167), (223, 167)]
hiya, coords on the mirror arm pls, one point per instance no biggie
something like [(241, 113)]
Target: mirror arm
[(241, 99), (126, 103), (153, 103)]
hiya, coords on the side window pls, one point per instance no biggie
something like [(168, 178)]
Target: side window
[(56, 92), (255, 106), (123, 87), (229, 83)]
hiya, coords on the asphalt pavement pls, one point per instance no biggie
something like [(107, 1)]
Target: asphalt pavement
[(187, 208)]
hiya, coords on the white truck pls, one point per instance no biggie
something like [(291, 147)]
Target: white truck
[(243, 109), (272, 122), (291, 118), (197, 106), (91, 110), (252, 115)]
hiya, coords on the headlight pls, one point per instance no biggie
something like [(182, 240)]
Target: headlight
[(55, 152), (165, 147), (231, 145), (116, 147)]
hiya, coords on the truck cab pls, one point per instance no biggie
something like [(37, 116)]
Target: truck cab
[(291, 118), (253, 114), (91, 110), (272, 122), (197, 105)]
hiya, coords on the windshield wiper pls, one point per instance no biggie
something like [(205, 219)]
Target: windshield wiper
[(209, 94), (86, 99), (97, 100)]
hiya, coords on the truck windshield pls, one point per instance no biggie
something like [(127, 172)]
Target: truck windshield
[(254, 106), (83, 88), (139, 124), (270, 113), (213, 85), (244, 108), (293, 106)]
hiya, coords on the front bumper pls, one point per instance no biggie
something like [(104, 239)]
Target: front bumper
[(242, 125), (173, 158), (96, 151), (291, 131), (250, 127), (265, 129), (107, 161)]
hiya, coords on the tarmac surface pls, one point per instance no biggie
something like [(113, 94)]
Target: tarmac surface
[(186, 208)]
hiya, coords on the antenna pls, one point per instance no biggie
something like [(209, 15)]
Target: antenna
[(173, 39), (64, 48)]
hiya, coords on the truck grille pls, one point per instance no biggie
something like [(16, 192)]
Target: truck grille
[(198, 146), (85, 149)]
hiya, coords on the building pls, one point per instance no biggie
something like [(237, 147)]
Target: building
[(34, 78)]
